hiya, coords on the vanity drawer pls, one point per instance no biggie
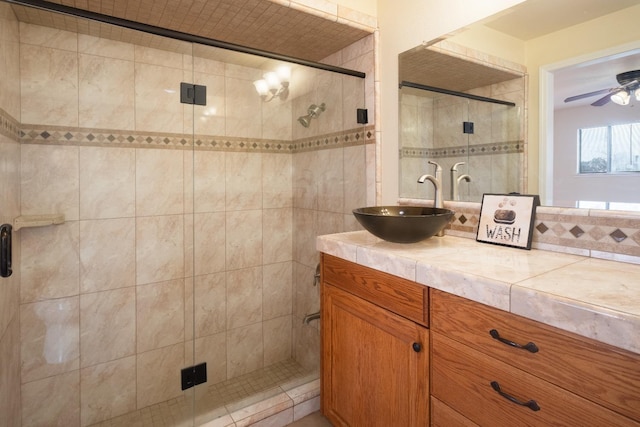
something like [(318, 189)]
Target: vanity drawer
[(443, 416), (596, 371), (401, 296), (464, 379)]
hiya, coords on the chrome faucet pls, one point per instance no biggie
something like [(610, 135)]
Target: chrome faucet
[(455, 181), (437, 184)]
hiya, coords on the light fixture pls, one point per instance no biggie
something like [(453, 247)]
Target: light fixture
[(313, 111), (274, 84), (637, 94), (621, 97)]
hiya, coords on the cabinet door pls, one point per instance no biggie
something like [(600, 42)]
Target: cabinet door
[(375, 364)]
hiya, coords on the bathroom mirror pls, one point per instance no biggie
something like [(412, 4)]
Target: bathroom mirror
[(570, 48), (464, 114)]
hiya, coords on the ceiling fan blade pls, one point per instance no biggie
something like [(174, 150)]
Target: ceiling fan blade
[(605, 99), (587, 95)]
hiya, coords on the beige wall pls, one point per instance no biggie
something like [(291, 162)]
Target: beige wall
[(403, 25), (610, 34)]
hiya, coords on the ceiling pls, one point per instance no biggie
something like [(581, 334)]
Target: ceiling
[(535, 18), (429, 67), (264, 25)]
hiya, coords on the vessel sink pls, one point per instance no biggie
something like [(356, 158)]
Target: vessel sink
[(403, 224)]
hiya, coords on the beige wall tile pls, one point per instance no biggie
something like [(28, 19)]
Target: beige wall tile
[(277, 339), (243, 178), (157, 99), (244, 350), (107, 182), (209, 181), (277, 120), (244, 297), (50, 181), (159, 248), (210, 237), (48, 86), (212, 350), (277, 289), (277, 242), (10, 67), (106, 93), (108, 325), (107, 390), (209, 119), (277, 172), (210, 304), (53, 401), (355, 179), (107, 254), (156, 375), (49, 338), (159, 182), (164, 58), (243, 109), (48, 37), (104, 47), (10, 371), (160, 315), (243, 239), (49, 266)]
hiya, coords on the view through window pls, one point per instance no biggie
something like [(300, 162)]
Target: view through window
[(609, 149)]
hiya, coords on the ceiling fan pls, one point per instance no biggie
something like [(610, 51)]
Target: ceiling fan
[(629, 85)]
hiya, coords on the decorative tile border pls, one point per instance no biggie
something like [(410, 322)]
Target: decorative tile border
[(590, 232), (506, 147), (60, 135)]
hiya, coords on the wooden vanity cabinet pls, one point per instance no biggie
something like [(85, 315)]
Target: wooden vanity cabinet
[(493, 368), (375, 347)]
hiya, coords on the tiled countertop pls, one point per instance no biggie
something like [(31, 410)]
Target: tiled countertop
[(595, 298)]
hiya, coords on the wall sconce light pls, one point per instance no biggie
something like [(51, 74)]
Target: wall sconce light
[(274, 84)]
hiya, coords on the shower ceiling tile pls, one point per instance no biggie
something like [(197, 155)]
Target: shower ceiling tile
[(258, 24)]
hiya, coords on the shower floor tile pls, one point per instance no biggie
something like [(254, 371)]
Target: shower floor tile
[(218, 399)]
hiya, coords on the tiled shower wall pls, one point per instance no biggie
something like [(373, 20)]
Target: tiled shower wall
[(106, 300), (9, 209)]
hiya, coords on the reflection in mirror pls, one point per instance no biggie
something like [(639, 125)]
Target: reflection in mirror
[(465, 114)]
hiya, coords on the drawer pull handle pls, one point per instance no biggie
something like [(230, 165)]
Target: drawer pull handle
[(528, 346), (417, 347), (531, 404)]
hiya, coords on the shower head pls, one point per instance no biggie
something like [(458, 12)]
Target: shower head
[(313, 111)]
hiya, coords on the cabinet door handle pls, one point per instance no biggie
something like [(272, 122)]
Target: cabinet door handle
[(531, 404), (417, 347), (528, 346)]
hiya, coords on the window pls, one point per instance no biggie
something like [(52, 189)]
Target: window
[(609, 149)]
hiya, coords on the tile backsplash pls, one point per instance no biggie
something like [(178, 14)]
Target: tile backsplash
[(612, 235)]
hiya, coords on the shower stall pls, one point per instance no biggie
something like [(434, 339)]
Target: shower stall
[(188, 242)]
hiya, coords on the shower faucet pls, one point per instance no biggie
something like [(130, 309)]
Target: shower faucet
[(456, 180)]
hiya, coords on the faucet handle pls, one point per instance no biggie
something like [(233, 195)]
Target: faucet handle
[(438, 168), (455, 166)]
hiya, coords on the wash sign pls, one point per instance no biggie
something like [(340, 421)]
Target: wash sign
[(507, 219)]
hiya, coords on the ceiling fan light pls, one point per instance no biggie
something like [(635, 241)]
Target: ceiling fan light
[(621, 98), (637, 92)]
